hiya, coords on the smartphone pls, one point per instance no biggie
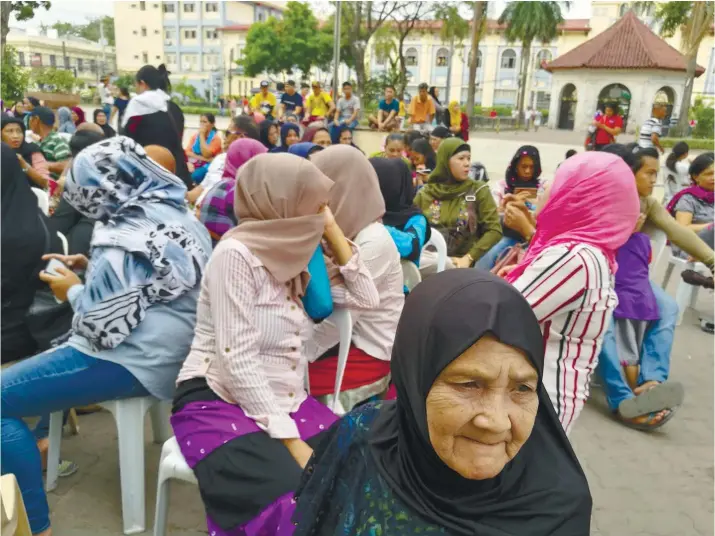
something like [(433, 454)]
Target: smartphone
[(52, 266), (424, 171), (530, 191)]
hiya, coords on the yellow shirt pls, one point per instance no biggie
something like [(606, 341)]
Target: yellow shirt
[(402, 109), (264, 104), (318, 105), (420, 110)]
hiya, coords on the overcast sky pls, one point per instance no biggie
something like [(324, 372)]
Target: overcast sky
[(79, 11)]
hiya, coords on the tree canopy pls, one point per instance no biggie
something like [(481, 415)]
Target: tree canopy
[(21, 10), (14, 79), (89, 31)]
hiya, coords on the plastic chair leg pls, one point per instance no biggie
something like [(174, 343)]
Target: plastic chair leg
[(129, 415), (668, 273), (53, 451), (161, 514), (160, 425), (684, 296)]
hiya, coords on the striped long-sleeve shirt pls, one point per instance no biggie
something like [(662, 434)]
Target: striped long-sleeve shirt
[(571, 289)]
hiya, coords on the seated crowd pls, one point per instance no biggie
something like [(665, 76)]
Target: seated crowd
[(242, 243)]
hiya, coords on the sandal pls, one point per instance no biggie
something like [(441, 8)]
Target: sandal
[(648, 425), (657, 398), (691, 277)]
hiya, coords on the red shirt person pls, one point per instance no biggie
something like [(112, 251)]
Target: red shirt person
[(608, 126)]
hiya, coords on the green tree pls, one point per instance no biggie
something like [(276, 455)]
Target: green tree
[(90, 31), (479, 19), (22, 11), (185, 90), (527, 22), (694, 20), (454, 30), (262, 52), (14, 79), (126, 80), (53, 80), (404, 20)]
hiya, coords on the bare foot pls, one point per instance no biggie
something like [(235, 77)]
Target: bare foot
[(644, 387), (47, 532), (651, 418), (43, 446)]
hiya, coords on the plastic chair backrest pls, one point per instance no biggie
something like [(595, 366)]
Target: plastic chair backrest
[(437, 240), (410, 274), (344, 322), (658, 244)]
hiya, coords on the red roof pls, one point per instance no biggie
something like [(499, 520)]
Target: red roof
[(628, 44)]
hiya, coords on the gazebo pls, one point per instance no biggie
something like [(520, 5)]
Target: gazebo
[(627, 63)]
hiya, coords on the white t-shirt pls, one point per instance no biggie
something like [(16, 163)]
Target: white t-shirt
[(650, 127), (213, 176), (106, 95)]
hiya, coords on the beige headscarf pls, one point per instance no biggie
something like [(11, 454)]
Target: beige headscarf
[(278, 197), (356, 199)]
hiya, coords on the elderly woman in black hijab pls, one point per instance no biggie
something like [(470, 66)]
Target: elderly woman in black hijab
[(406, 224), (472, 445)]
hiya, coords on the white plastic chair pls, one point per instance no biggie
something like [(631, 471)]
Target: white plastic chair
[(129, 416), (13, 516), (659, 246), (174, 466), (411, 276), (437, 240), (43, 200)]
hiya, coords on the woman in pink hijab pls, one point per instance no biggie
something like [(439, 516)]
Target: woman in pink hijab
[(587, 212), (216, 209)]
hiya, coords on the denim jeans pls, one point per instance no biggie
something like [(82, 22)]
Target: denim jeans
[(199, 173), (55, 380), (333, 127), (107, 110), (489, 259), (655, 353)]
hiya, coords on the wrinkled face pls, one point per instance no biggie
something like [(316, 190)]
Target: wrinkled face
[(435, 142), (389, 93), (102, 119), (394, 149), (417, 159), (292, 138), (346, 137), (647, 175), (525, 168), (273, 135), (459, 165), (481, 409), (706, 179), (322, 138), (12, 135)]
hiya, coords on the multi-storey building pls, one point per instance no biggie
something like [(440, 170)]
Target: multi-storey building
[(88, 61), (499, 61), (186, 36)]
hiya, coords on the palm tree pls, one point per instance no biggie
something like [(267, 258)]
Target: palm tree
[(525, 23), (479, 18)]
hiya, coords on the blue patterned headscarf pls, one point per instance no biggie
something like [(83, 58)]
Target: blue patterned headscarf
[(147, 248)]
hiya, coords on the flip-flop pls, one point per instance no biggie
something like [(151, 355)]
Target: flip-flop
[(657, 398), (647, 426)]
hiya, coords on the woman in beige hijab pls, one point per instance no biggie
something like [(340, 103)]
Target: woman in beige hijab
[(358, 205), (240, 395)]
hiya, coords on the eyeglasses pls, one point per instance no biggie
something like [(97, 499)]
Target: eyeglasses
[(233, 133)]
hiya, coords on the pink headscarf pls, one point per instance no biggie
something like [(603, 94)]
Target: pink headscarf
[(240, 152), (593, 201)]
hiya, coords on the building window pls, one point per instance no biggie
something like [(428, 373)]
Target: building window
[(541, 57), (67, 62), (189, 34), (189, 7), (53, 60), (145, 57), (211, 34), (169, 7), (21, 58), (169, 36), (442, 55), (156, 32), (143, 31), (411, 57), (170, 59), (142, 6), (93, 65), (80, 64), (211, 61), (211, 7), (508, 59), (188, 62), (136, 56), (479, 59)]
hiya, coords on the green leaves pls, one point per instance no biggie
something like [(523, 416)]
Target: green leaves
[(89, 31), (13, 82), (530, 21), (53, 80)]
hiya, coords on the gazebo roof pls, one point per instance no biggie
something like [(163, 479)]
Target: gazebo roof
[(628, 44)]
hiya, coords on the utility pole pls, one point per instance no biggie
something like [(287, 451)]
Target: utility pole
[(336, 48), (230, 70), (101, 41), (449, 71)]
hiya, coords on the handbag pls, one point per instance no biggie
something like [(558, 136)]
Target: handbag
[(47, 320), (513, 255), (318, 301), (455, 237)]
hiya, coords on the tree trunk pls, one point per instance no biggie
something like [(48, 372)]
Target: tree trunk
[(403, 67), (5, 8), (448, 88), (478, 8), (359, 56), (525, 57), (683, 118)]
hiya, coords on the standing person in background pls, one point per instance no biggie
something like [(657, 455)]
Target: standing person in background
[(608, 125), (105, 94), (346, 113), (291, 102), (319, 105), (651, 130), (458, 121), (120, 104), (151, 118), (439, 109), (537, 120), (232, 105), (422, 110), (264, 101), (304, 92), (387, 111)]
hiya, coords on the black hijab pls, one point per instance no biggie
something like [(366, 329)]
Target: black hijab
[(263, 128), (542, 491), (398, 191), (440, 131), (512, 180), (26, 150), (106, 128)]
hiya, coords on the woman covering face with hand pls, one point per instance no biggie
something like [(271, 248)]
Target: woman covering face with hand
[(471, 446)]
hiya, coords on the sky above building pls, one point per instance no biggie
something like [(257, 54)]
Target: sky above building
[(79, 12)]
